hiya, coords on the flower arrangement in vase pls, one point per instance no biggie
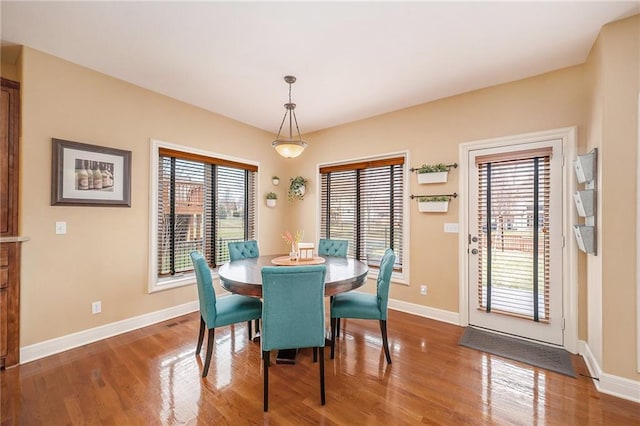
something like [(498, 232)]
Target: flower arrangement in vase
[(293, 241)]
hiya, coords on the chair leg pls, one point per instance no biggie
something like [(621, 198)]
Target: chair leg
[(249, 325), (385, 341), (257, 329), (265, 362), (207, 360), (322, 398), (338, 319), (200, 335), (315, 354), (333, 336)]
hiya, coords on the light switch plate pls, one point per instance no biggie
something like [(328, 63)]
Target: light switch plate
[(61, 228), (451, 228)]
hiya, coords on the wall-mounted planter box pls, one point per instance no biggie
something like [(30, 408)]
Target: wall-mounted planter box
[(433, 206), (585, 167), (433, 177), (585, 237), (271, 202), (585, 202)]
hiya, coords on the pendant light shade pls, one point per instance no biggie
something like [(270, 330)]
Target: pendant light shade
[(289, 147)]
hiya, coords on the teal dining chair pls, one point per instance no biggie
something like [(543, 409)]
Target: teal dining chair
[(292, 314), (218, 313), (366, 306), (243, 250), (335, 248)]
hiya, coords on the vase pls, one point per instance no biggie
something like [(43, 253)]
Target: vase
[(294, 254)]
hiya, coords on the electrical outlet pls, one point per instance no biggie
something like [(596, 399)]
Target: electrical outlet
[(96, 307), (423, 289)]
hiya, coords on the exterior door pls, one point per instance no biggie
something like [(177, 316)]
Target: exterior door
[(515, 240)]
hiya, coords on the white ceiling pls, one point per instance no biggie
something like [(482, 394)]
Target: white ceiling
[(352, 59)]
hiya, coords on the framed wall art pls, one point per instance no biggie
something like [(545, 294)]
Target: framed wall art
[(89, 175)]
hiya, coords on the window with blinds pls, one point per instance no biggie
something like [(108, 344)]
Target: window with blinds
[(363, 203), (203, 203), (513, 229)]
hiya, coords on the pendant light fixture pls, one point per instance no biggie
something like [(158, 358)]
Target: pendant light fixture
[(289, 148)]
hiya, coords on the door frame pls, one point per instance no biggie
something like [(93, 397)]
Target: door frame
[(568, 135)]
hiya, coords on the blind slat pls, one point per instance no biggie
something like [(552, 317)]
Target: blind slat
[(512, 227), (362, 203), (202, 205)]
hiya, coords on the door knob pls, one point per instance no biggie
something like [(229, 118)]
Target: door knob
[(474, 251)]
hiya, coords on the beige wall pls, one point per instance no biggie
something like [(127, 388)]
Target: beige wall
[(614, 66), (104, 255), (431, 133), (592, 265)]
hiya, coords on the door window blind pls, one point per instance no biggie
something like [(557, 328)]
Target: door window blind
[(513, 225), (203, 203), (363, 203)]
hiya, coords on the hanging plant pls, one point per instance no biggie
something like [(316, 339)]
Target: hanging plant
[(271, 198), (297, 188)]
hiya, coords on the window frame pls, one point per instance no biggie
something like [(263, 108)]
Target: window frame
[(399, 277), (156, 283)]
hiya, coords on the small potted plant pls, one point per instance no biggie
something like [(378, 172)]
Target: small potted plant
[(275, 180), (297, 188), (433, 173), (271, 199), (433, 204)]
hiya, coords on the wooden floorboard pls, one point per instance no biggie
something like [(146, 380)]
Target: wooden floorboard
[(151, 376)]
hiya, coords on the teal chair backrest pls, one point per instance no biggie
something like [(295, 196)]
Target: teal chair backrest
[(243, 250), (292, 307), (384, 280), (206, 294), (335, 248)]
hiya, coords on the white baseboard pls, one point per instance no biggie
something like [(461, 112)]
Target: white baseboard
[(74, 340), (608, 383), (425, 311)]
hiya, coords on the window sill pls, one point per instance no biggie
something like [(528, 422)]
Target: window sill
[(181, 280)]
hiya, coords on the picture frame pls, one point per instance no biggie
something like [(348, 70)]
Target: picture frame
[(89, 175)]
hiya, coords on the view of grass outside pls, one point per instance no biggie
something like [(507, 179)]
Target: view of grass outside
[(229, 229), (512, 273)]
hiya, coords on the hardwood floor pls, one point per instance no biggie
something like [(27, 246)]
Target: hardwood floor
[(152, 377)]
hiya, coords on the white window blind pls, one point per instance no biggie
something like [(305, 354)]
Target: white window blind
[(363, 203), (513, 225), (203, 203)]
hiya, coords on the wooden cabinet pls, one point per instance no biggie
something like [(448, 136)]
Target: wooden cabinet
[(9, 161), (9, 241), (9, 303)]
